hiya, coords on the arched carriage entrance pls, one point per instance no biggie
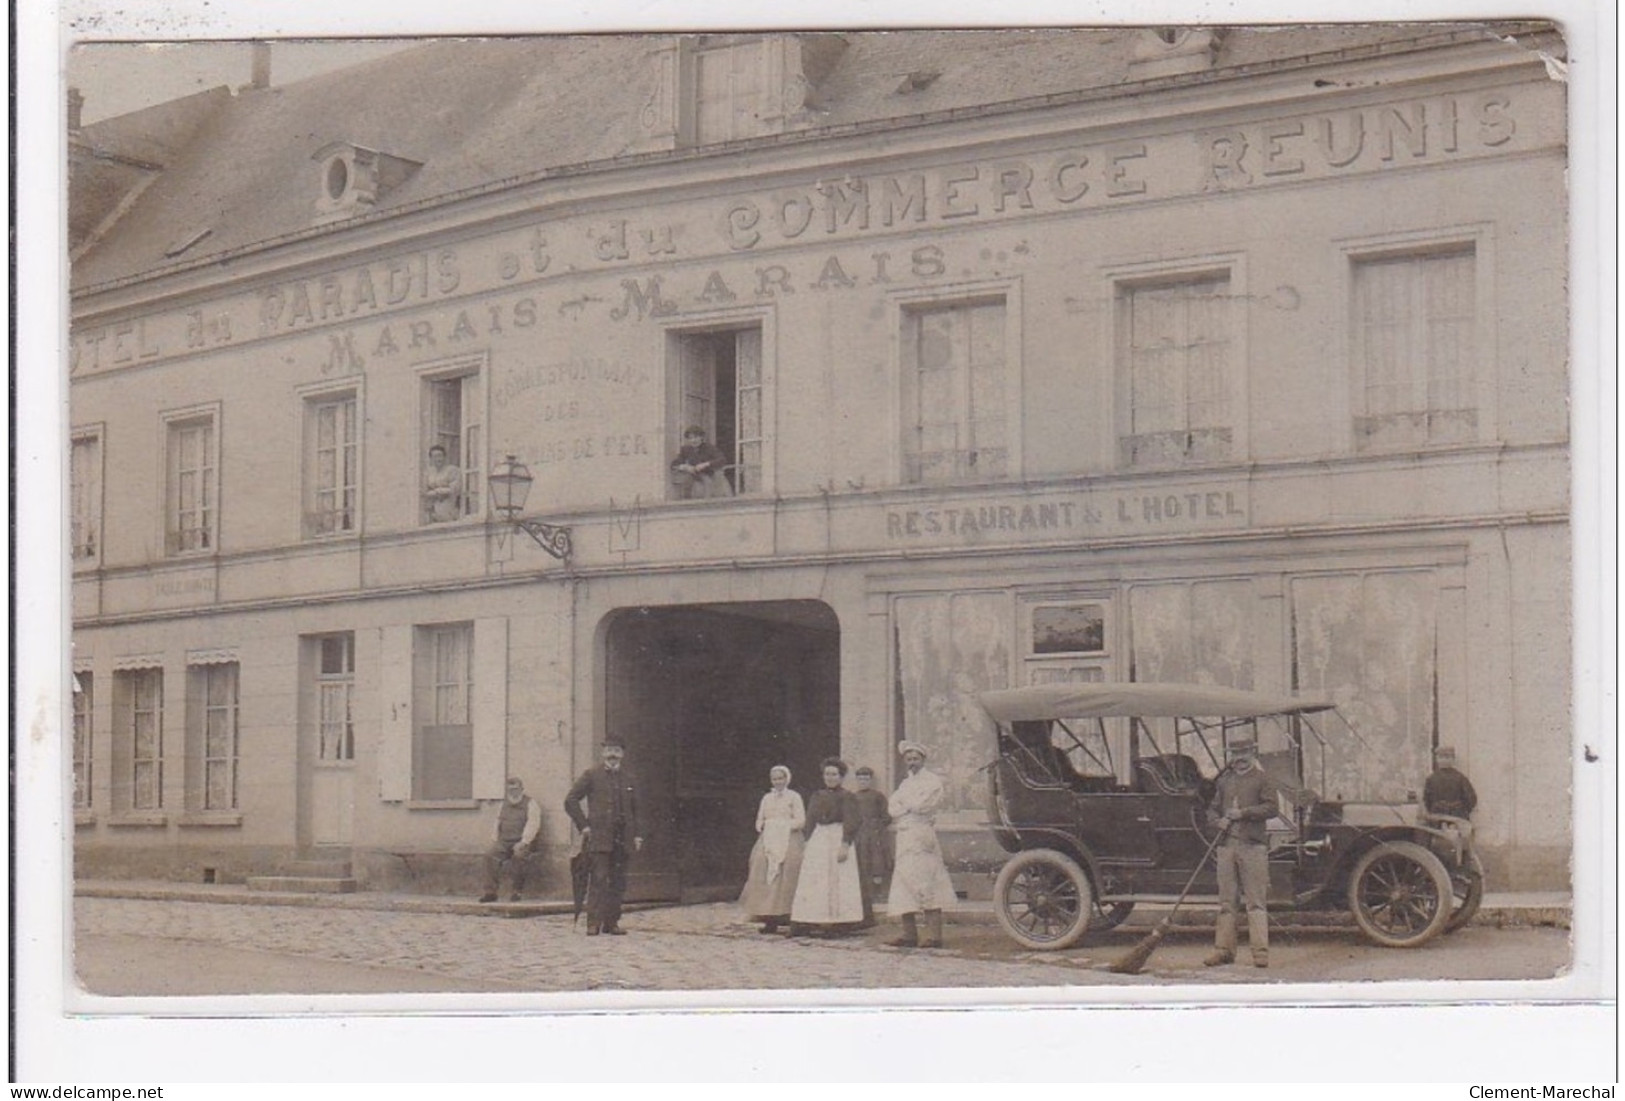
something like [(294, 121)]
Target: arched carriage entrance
[(707, 698)]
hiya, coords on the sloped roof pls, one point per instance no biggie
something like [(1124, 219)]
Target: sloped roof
[(477, 111), (110, 160)]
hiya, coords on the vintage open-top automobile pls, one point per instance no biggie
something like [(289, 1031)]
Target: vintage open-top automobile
[(1100, 791)]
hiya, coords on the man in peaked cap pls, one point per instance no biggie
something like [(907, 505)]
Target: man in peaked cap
[(611, 831), (919, 883), (1244, 802)]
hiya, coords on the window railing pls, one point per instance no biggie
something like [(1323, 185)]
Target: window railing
[(183, 540), (1415, 429), (956, 465), (1187, 446), (82, 538), (335, 521)]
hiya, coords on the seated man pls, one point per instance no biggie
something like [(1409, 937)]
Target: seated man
[(1447, 795), (697, 469)]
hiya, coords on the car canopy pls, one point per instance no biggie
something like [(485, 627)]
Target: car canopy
[(1145, 699)]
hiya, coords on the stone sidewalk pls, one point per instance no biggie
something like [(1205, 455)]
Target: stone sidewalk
[(1499, 909)]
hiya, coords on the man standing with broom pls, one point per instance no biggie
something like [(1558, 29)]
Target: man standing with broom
[(1244, 802)]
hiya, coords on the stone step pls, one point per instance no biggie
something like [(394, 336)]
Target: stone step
[(324, 869), (303, 884)]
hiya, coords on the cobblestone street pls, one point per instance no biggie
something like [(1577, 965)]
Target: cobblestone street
[(131, 947)]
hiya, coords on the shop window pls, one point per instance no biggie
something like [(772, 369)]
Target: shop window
[(335, 686), (949, 648), (1369, 642), (443, 731), (138, 721), (191, 512), (211, 736), (1175, 350), (452, 446), (332, 465), (85, 497), (1414, 344), (719, 391), (729, 90), (1194, 632), (84, 702), (954, 400)]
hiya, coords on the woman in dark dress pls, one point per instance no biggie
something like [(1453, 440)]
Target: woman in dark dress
[(828, 894)]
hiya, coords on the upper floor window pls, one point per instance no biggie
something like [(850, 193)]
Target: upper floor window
[(85, 496), (730, 83), (211, 736), (718, 414), (84, 700), (1175, 349), (1414, 347), (954, 401), (332, 465), (452, 446), (191, 511)]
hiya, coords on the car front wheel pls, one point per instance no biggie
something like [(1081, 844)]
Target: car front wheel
[(1400, 895), (1043, 900)]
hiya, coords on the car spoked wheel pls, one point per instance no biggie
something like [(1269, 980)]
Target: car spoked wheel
[(1043, 900), (1467, 890), (1400, 894)]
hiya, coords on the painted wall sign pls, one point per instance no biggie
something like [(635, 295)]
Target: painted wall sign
[(183, 588), (1091, 514), (842, 210)]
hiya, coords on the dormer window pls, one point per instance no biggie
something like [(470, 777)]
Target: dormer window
[(353, 179), (714, 88), (1173, 51), (731, 92)]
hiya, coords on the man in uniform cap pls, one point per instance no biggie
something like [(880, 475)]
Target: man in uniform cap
[(1244, 801), (919, 883), (610, 832)]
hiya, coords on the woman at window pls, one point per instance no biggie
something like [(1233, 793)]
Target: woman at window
[(442, 488)]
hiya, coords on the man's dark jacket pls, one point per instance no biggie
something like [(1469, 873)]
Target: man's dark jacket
[(1448, 791), (1250, 796), (605, 792)]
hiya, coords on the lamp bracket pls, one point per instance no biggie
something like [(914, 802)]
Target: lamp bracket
[(552, 538)]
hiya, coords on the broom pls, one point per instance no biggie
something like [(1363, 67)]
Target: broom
[(1135, 961)]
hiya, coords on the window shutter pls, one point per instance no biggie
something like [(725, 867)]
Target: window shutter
[(395, 712), (490, 707)]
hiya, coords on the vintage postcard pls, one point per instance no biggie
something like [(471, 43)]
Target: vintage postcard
[(1059, 515)]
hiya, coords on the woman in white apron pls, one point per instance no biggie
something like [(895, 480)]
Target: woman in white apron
[(775, 861), (829, 894)]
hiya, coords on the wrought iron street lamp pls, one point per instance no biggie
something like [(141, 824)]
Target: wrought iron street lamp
[(510, 483)]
